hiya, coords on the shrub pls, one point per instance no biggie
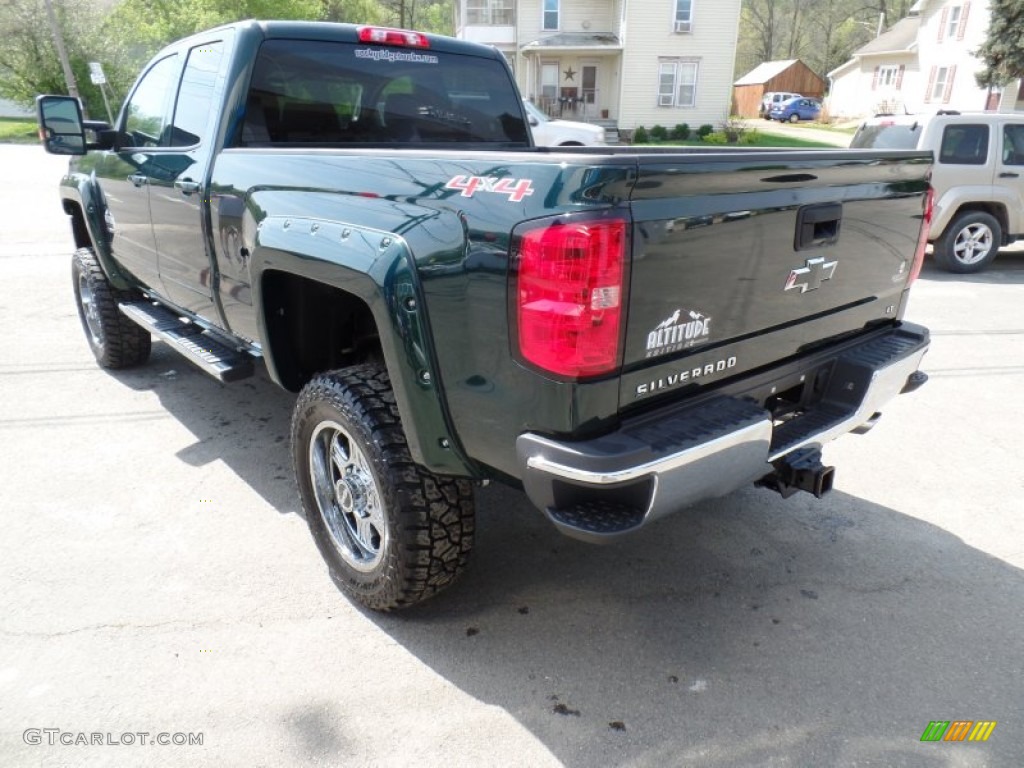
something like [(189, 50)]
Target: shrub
[(640, 135), (734, 129), (704, 130), (750, 137), (715, 137), (680, 133), (659, 133)]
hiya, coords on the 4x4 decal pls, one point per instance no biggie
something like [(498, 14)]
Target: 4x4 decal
[(516, 189)]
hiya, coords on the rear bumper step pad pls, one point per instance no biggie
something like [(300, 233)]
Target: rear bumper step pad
[(683, 453)]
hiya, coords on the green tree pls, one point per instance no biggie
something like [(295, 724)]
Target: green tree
[(1003, 50), (424, 15), (28, 57), (145, 26)]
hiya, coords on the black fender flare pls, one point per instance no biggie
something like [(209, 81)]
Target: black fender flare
[(376, 267)]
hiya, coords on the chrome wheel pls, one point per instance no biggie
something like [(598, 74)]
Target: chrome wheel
[(973, 244), (347, 496), (90, 312)]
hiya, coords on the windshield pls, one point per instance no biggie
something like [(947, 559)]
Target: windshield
[(311, 92), (889, 136)]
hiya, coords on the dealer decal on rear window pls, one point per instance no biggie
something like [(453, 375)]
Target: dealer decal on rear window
[(516, 189), (389, 55)]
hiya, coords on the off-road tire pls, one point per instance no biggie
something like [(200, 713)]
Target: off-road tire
[(418, 527), (115, 341), (954, 252)]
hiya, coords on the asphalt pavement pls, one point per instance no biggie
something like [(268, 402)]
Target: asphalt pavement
[(156, 577)]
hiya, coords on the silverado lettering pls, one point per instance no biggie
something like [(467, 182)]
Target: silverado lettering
[(361, 213), (682, 377)]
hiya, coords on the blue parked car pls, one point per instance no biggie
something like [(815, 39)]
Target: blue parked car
[(800, 108)]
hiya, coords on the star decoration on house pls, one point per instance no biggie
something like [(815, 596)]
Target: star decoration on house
[(569, 73)]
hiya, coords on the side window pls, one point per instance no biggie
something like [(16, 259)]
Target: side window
[(195, 95), (147, 112), (1013, 144), (964, 145)]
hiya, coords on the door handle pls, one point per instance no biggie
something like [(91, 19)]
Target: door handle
[(186, 186), (1008, 175), (137, 179)]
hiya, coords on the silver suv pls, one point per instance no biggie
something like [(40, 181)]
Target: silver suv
[(978, 178)]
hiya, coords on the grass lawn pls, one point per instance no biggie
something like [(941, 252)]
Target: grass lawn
[(15, 129)]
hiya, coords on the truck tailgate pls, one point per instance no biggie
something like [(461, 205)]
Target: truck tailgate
[(744, 260)]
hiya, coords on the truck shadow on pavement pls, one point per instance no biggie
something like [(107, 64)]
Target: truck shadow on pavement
[(245, 424), (745, 630), (748, 630)]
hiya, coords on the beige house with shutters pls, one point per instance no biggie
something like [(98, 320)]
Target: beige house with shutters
[(623, 63), (922, 64)]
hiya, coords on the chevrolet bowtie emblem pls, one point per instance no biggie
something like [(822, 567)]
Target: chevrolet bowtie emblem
[(811, 275)]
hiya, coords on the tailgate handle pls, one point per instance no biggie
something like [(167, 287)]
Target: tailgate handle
[(817, 225)]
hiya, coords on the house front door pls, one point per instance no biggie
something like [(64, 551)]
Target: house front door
[(549, 86), (591, 94)]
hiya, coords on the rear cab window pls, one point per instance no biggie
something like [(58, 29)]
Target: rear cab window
[(887, 136), (331, 93)]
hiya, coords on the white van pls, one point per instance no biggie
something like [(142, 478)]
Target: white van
[(978, 178), (773, 99)]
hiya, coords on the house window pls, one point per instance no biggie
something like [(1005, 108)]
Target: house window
[(551, 14), (887, 76), (499, 13), (953, 21), (942, 83), (677, 84), (684, 16)]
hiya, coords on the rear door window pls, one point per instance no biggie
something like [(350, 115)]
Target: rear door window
[(964, 145), (329, 93), (195, 95)]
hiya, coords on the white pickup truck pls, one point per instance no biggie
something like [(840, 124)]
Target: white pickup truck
[(978, 178), (549, 132)]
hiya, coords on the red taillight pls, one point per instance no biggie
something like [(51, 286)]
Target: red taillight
[(922, 240), (389, 36), (569, 285)]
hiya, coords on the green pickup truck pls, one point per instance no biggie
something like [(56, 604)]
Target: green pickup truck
[(618, 331)]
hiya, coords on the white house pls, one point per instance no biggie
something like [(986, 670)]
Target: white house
[(924, 63), (632, 62)]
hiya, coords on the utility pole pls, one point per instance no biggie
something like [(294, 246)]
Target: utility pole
[(58, 40)]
